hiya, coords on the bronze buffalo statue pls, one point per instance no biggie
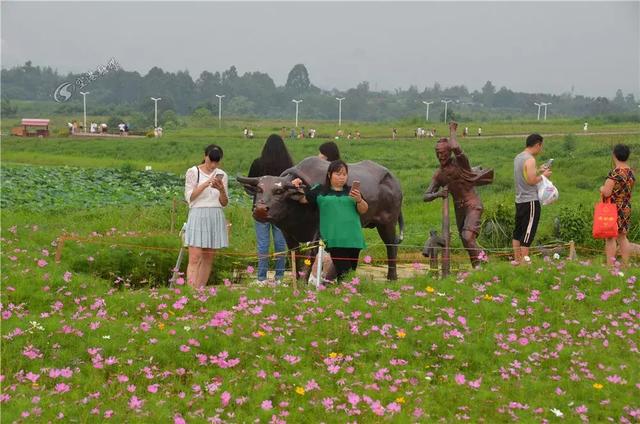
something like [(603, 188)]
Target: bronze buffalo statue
[(277, 201)]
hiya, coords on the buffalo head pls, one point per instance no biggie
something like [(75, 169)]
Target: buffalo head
[(273, 196)]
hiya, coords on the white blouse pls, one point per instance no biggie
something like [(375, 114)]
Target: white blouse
[(209, 197)]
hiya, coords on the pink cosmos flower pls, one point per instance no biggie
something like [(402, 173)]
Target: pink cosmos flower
[(225, 397), (250, 269), (153, 388), (475, 384), (42, 263), (353, 399), (291, 359), (367, 259), (266, 405), (135, 403), (393, 407), (62, 388), (32, 377), (177, 419), (460, 378)]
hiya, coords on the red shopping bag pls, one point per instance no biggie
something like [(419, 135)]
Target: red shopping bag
[(605, 220)]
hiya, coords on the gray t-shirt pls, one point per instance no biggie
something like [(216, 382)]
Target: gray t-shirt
[(525, 192)]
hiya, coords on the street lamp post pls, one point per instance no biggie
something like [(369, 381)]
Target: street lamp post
[(297, 102), (539, 106), (155, 120), (220, 109), (446, 103), (339, 99), (545, 110), (84, 103), (427, 103)]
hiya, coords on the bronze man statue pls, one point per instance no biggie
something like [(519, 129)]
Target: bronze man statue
[(457, 174)]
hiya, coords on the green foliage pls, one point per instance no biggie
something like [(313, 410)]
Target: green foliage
[(8, 110), (53, 188), (170, 120), (113, 123), (120, 93), (498, 221), (569, 144), (574, 223)]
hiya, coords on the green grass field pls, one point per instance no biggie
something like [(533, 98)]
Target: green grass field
[(100, 337)]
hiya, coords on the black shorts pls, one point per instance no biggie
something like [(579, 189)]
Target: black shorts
[(527, 217)]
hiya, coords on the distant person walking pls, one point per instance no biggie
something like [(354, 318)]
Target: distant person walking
[(205, 189), (618, 187), (273, 160), (527, 177)]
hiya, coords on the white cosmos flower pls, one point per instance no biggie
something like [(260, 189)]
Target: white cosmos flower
[(557, 412), (527, 259), (556, 256)]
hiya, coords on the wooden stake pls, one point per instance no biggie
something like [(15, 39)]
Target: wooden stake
[(572, 251), (446, 259), (173, 215), (59, 248), (294, 270)]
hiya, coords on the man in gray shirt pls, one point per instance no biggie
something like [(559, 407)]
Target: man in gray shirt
[(526, 179)]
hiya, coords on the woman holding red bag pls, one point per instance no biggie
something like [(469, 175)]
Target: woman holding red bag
[(618, 187)]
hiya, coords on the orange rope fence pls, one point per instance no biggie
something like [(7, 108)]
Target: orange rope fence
[(497, 252)]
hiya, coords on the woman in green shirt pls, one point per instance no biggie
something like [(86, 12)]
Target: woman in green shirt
[(340, 207)]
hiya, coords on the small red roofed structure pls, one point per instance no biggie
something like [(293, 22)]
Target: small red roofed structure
[(41, 128)]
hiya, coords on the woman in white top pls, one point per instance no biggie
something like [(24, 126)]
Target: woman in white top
[(205, 190)]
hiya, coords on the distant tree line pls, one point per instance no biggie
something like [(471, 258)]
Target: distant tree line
[(254, 94)]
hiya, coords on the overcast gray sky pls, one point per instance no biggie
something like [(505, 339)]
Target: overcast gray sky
[(526, 46)]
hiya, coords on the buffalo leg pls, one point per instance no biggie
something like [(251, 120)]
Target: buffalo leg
[(387, 233)]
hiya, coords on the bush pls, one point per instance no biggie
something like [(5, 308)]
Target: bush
[(497, 224), (569, 145), (573, 223)]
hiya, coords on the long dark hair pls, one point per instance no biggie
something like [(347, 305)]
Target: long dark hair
[(214, 152), (334, 167), (275, 157), (330, 150)]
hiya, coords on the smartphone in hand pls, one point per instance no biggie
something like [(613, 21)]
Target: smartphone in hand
[(219, 177), (548, 164), (356, 185)]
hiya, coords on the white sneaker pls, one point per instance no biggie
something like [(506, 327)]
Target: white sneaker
[(258, 283)]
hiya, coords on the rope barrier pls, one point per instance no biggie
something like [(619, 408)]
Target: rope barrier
[(295, 253)]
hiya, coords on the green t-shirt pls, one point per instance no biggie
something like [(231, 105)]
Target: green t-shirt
[(339, 219)]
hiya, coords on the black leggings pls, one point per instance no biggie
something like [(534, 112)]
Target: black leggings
[(345, 259)]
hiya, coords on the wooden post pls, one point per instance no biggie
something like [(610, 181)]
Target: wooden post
[(173, 215), (572, 251), (319, 269), (294, 270), (446, 259), (59, 248)]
